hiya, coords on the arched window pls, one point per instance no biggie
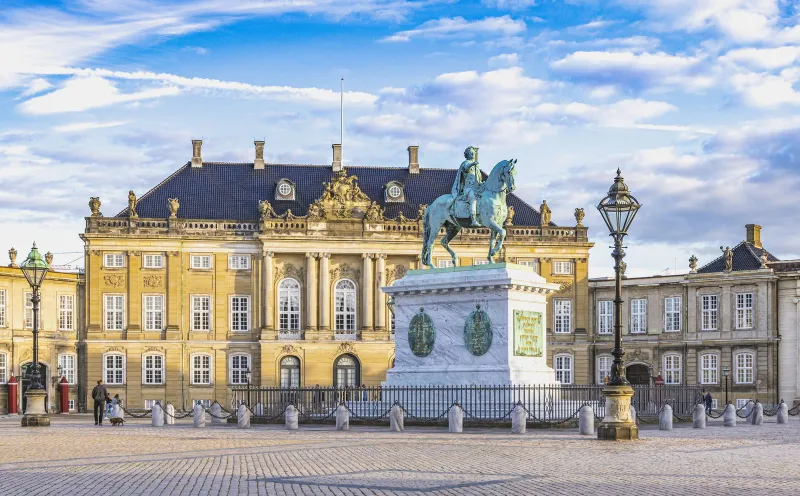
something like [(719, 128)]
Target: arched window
[(563, 367), (239, 367), (744, 368), (289, 305), (114, 368), (345, 306), (604, 368), (153, 369), (346, 371), (672, 369), (290, 372)]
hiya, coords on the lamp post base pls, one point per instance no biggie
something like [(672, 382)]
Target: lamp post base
[(618, 425), (35, 412)]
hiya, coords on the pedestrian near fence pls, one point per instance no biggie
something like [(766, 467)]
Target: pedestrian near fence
[(99, 394)]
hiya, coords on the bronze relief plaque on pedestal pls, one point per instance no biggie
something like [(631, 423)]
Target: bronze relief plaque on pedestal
[(478, 332), (421, 334)]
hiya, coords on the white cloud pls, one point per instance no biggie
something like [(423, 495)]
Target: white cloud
[(623, 113), (603, 92), (509, 4), (458, 26), (35, 86), (78, 127), (764, 58), (634, 44), (764, 90), (504, 59)]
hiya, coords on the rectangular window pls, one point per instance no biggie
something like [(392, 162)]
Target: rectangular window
[(638, 316), (113, 260), (201, 313), (562, 267), (239, 366), (115, 312), (239, 262), (153, 369), (240, 313), (741, 403), (153, 312), (28, 311), (148, 404), (710, 307), (444, 263), (714, 403), (201, 261), (2, 307), (67, 364), (201, 369), (562, 318), (479, 261), (3, 368), (563, 366), (605, 317), (672, 314), (672, 369), (532, 263), (744, 368), (203, 403), (604, 368), (114, 372), (71, 404), (708, 369), (744, 311), (66, 312), (153, 261)]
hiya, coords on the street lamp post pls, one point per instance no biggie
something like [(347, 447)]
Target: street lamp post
[(35, 267), (618, 209), (248, 374), (725, 371)]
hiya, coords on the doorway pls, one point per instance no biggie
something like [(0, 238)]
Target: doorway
[(27, 369), (638, 374)]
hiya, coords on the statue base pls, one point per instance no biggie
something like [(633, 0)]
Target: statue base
[(35, 412), (618, 425)]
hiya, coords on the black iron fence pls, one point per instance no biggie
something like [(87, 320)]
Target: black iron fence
[(548, 404)]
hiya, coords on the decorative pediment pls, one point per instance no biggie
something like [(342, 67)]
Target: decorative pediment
[(345, 271), (289, 270), (345, 348), (290, 350), (396, 273), (341, 199), (637, 356)]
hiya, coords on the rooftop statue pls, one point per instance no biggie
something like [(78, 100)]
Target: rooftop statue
[(472, 203)]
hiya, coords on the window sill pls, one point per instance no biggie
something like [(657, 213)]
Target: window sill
[(194, 269), (201, 385), (153, 268), (154, 385)]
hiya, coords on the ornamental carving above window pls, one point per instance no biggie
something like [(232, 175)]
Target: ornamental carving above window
[(115, 281)]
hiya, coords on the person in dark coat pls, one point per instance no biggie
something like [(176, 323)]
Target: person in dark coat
[(708, 401), (99, 395)]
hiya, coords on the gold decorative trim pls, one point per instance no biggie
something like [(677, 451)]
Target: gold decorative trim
[(114, 281)]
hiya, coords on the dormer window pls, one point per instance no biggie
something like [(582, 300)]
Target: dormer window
[(284, 190), (394, 192)]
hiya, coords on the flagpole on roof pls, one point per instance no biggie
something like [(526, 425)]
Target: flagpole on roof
[(341, 113)]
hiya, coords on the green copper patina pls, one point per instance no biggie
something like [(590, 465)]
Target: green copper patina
[(472, 202), (478, 332), (421, 334)]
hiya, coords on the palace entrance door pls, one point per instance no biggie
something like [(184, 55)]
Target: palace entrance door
[(638, 374)]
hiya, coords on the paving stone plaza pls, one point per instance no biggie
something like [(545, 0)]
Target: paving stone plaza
[(75, 457)]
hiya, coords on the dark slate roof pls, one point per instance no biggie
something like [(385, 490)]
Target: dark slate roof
[(220, 190), (746, 256)]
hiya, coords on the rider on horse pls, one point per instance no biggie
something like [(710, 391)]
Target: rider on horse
[(466, 186)]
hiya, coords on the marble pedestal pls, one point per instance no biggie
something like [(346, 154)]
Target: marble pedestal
[(513, 298), (35, 412), (619, 423)]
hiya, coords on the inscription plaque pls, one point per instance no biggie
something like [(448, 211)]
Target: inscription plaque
[(421, 334), (528, 333), (478, 332)]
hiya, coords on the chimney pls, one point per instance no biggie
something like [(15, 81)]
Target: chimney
[(259, 161), (197, 159), (337, 157), (413, 159), (754, 235)]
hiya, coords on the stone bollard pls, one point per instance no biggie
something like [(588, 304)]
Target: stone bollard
[(783, 413), (455, 419), (519, 420), (342, 418), (586, 421), (292, 418), (396, 419), (216, 413), (633, 415), (243, 417), (699, 416), (158, 415), (729, 416), (199, 415), (259, 411), (757, 415), (170, 411), (665, 418)]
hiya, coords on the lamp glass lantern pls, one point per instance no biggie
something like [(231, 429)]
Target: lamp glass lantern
[(34, 267), (618, 208), (726, 370)]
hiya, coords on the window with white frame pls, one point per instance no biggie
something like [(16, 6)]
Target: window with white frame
[(201, 313), (562, 316), (200, 261), (28, 311), (638, 316), (444, 263), (604, 368), (239, 262), (744, 368), (71, 404), (240, 313), (480, 261), (345, 305), (290, 372), (672, 369), (714, 403), (3, 368), (153, 312), (148, 404), (67, 364), (201, 369), (114, 368), (115, 312), (605, 317), (204, 403), (2, 307), (289, 305), (66, 312), (562, 267), (672, 314), (153, 369), (239, 366), (153, 261), (741, 403), (113, 260), (531, 262), (709, 312), (708, 368), (563, 366), (744, 310)]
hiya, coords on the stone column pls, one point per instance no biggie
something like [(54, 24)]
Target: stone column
[(267, 290), (380, 299), (174, 291), (311, 291), (324, 292), (134, 296), (366, 291)]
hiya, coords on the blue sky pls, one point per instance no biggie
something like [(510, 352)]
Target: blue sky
[(696, 101)]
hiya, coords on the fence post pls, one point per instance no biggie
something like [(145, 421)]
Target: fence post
[(699, 416), (396, 419), (243, 417), (216, 413), (199, 415), (757, 415), (519, 420), (292, 418), (158, 415), (783, 412), (729, 417), (586, 421), (342, 418), (170, 411), (665, 418), (455, 419)]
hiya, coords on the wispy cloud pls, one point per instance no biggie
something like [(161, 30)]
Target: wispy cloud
[(79, 127), (459, 27)]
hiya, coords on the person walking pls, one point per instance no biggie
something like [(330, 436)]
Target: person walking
[(708, 401), (116, 407), (99, 394)]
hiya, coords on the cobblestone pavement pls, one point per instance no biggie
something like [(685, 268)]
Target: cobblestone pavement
[(75, 457)]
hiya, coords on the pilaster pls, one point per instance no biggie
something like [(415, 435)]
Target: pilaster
[(311, 291), (174, 289), (366, 291), (324, 292), (267, 290), (94, 296), (134, 297), (380, 299)]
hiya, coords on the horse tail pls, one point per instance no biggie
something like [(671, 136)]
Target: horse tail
[(426, 235)]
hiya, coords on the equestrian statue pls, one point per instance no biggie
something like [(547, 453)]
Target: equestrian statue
[(472, 202)]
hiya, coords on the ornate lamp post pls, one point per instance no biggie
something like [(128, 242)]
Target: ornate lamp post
[(725, 371), (248, 374), (618, 209), (34, 267)]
